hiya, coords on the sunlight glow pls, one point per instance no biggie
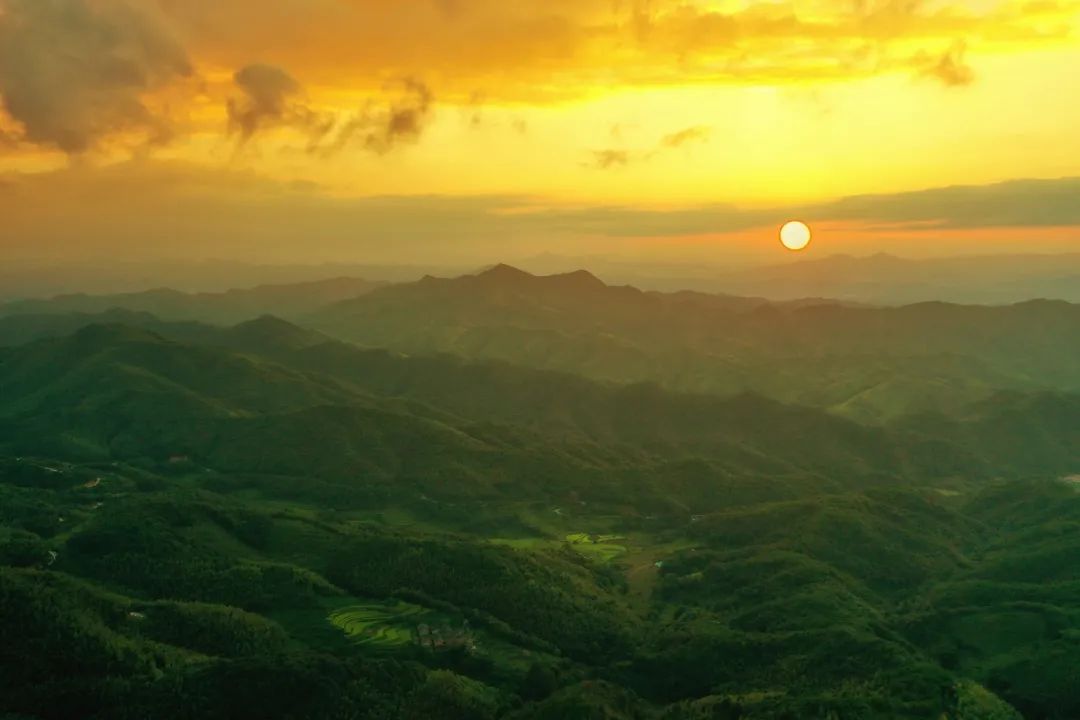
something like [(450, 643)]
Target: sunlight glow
[(795, 235)]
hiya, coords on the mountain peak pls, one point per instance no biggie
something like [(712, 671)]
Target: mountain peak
[(266, 323), (578, 279), (502, 271), (272, 331)]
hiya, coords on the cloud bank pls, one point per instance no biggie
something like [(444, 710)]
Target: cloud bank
[(74, 72), (192, 213), (118, 56)]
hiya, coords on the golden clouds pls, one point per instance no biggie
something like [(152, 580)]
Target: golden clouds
[(153, 209), (808, 41), (123, 58), (74, 72), (740, 100), (269, 97), (539, 51)]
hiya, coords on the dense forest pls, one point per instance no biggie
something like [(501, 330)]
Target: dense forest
[(472, 498)]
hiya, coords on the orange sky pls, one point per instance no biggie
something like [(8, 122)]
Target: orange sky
[(312, 130)]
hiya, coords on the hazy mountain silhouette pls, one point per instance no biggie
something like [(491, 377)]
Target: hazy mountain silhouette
[(887, 279), (871, 363), (228, 307)]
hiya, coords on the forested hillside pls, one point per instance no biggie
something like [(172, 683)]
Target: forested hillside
[(259, 521)]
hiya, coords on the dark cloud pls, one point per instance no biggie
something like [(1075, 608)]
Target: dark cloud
[(608, 159), (1016, 203), (615, 158), (73, 72), (265, 100), (271, 97), (404, 120), (689, 135), (950, 67), (398, 119)]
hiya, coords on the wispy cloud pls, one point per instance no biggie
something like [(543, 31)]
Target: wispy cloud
[(619, 158), (266, 93), (607, 159), (399, 116), (403, 120), (236, 213), (1016, 203), (698, 133), (950, 67)]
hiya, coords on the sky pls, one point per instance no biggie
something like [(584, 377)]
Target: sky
[(472, 130)]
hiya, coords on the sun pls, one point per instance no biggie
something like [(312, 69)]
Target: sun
[(795, 235)]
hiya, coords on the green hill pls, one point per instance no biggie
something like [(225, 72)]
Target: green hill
[(185, 511)]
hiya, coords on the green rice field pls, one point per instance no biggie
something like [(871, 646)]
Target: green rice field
[(379, 626), (603, 548)]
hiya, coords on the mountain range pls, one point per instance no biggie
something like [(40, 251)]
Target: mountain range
[(232, 306), (871, 364), (879, 279), (524, 497)]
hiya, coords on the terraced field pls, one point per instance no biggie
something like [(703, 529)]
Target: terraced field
[(379, 626), (603, 548)]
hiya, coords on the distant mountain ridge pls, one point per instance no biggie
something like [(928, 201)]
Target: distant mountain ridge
[(232, 306), (822, 353), (879, 279), (892, 280), (871, 364)]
